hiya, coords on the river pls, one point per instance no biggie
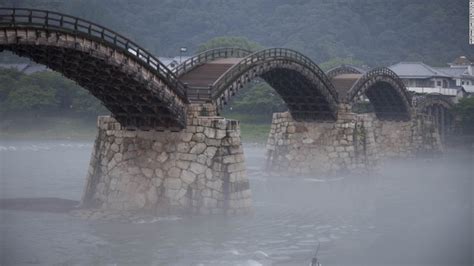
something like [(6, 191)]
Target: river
[(412, 212)]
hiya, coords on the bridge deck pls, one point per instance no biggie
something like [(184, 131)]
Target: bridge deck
[(202, 77)]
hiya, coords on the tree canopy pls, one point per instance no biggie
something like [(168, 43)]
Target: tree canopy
[(229, 41), (465, 110), (378, 32), (43, 93)]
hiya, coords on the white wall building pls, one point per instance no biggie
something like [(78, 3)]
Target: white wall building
[(455, 81)]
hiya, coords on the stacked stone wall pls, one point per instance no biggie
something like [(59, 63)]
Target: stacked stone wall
[(353, 143), (398, 139), (197, 170), (321, 148)]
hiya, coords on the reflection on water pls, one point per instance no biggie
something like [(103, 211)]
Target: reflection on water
[(411, 213)]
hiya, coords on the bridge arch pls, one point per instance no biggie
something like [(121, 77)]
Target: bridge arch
[(303, 86), (422, 105), (440, 109), (207, 56), (344, 69), (385, 91), (135, 86)]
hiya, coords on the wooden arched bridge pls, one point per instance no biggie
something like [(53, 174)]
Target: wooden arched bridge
[(200, 167), (142, 93)]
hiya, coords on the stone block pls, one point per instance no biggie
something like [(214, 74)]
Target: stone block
[(162, 157), (182, 164), (188, 177), (174, 172), (183, 147), (198, 148), (147, 172), (210, 133), (213, 142), (197, 168), (172, 183), (198, 137), (156, 181), (210, 151)]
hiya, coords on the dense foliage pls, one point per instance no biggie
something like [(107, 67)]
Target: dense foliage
[(465, 110), (44, 93), (378, 32), (231, 41)]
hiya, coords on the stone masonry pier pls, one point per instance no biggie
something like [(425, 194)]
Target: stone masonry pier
[(354, 143), (200, 169)]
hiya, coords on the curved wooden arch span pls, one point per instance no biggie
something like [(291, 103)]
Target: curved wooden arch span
[(422, 104), (142, 93), (208, 56), (440, 109), (303, 86), (135, 86), (385, 91), (344, 69)]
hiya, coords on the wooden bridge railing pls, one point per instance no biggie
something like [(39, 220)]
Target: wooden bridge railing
[(48, 20), (271, 54), (207, 56)]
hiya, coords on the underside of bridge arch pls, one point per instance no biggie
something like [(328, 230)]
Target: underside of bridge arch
[(387, 103), (441, 112), (386, 93), (304, 101), (306, 95), (135, 96)]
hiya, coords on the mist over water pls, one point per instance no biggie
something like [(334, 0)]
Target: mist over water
[(412, 212)]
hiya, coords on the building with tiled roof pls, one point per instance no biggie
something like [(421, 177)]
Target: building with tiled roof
[(454, 81)]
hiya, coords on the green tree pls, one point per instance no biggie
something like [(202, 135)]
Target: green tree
[(86, 104), (31, 98), (335, 62), (44, 92), (229, 41), (258, 98), (8, 80), (465, 110)]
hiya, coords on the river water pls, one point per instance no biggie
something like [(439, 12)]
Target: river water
[(416, 212)]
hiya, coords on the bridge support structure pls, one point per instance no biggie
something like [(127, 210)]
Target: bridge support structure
[(200, 169), (352, 143)]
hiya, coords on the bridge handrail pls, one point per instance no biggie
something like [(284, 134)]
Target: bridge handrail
[(344, 69), (207, 56), (44, 19), (271, 53), (373, 73)]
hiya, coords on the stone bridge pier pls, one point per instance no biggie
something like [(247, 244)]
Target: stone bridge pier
[(354, 143), (199, 169)]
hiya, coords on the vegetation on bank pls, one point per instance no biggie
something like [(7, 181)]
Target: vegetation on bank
[(378, 32), (465, 110), (44, 94), (45, 105), (30, 127)]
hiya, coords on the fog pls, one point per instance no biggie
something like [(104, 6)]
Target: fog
[(410, 212)]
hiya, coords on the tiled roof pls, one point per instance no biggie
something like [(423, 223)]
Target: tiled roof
[(416, 70), (453, 71), (462, 61)]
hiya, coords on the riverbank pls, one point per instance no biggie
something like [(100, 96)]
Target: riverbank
[(47, 128), (80, 128)]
